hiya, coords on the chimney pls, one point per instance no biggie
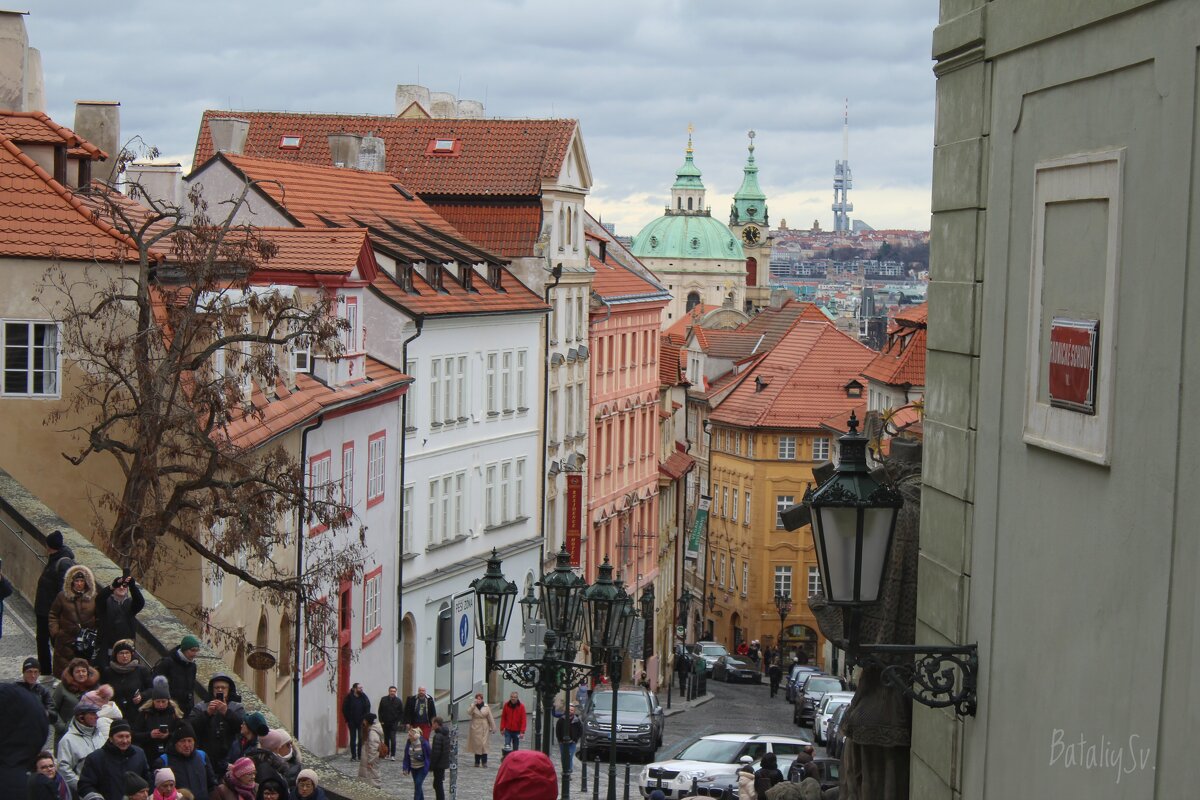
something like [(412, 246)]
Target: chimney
[(470, 109), (99, 121), (443, 105), (372, 154), (35, 85), (158, 183), (14, 49), (228, 134), (759, 384), (409, 93), (344, 149)]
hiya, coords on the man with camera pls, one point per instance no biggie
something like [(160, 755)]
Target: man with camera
[(117, 605), (217, 721)]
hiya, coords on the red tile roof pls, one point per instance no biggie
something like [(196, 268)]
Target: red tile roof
[(680, 326), (509, 229), (454, 300), (902, 362), (498, 157), (326, 251), (288, 410), (35, 127), (677, 465), (41, 218), (918, 315), (615, 281), (804, 379), (670, 371)]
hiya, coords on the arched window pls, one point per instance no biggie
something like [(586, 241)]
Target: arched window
[(689, 204), (570, 225), (562, 225), (679, 203), (285, 648), (752, 271), (693, 300)]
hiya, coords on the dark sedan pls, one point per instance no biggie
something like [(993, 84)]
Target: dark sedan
[(809, 695), (736, 668)]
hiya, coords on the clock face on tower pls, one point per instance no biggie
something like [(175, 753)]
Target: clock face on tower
[(750, 234)]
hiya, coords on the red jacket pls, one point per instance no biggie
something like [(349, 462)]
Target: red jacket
[(512, 718)]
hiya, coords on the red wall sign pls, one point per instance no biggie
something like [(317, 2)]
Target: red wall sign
[(574, 526), (1073, 359)]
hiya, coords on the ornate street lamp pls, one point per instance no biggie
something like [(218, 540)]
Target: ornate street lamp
[(494, 596), (529, 606), (609, 613), (646, 605), (783, 604), (853, 521)]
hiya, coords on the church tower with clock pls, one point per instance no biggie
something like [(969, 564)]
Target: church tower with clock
[(749, 221)]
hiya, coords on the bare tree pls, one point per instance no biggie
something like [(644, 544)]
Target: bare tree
[(168, 345)]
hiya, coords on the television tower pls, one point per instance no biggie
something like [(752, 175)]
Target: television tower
[(842, 182)]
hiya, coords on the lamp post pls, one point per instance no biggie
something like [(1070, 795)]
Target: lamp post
[(646, 609), (609, 620), (854, 520), (561, 607), (783, 604), (682, 604)]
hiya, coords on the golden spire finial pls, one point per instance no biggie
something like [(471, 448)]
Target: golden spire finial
[(689, 147)]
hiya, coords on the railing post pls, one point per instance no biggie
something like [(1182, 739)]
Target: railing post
[(626, 781)]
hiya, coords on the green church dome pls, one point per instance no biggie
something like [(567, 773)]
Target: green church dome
[(687, 236)]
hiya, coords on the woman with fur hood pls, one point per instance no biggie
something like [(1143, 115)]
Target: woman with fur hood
[(158, 718), (76, 680), (73, 610)]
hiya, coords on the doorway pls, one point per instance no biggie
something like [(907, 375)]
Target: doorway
[(343, 666)]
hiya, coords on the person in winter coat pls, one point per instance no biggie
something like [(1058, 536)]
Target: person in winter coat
[(767, 776), (192, 767), (116, 607), (391, 715), (157, 718), (58, 559), (368, 761), (272, 789), (482, 726), (512, 722), (218, 721), (104, 771), (44, 782), (279, 742), (82, 738), (307, 787), (179, 668), (128, 677), (253, 726), (420, 710), (416, 760), (439, 757), (526, 775), (775, 675), (355, 707), (22, 735), (569, 731), (29, 683), (238, 783), (78, 678), (745, 780), (102, 698), (164, 785), (73, 611)]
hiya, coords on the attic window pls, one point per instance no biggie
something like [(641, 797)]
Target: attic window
[(443, 147), (854, 389), (290, 142)]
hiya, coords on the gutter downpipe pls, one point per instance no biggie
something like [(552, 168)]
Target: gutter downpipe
[(298, 638), (556, 272), (396, 657)]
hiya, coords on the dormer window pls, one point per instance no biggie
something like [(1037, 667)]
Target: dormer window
[(290, 142), (854, 390), (443, 147), (494, 276)]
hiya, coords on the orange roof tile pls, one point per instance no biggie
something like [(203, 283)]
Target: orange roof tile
[(902, 361), (454, 300), (35, 127), (918, 315), (677, 465), (680, 326), (803, 380), (41, 218), (614, 281), (670, 372), (498, 157), (288, 410), (510, 229), (328, 251)]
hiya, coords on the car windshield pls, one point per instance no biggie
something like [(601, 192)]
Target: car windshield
[(626, 702), (721, 751), (738, 663), (834, 705), (713, 650), (823, 685)]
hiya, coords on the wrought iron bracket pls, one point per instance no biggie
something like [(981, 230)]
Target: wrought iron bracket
[(543, 674), (937, 677)]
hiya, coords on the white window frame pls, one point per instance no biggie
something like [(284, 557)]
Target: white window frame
[(820, 448), (490, 487), (745, 577), (31, 349), (783, 579), (814, 581), (348, 474), (787, 448), (782, 501), (522, 358), (733, 508), (372, 589), (746, 518), (406, 511), (492, 380), (376, 467)]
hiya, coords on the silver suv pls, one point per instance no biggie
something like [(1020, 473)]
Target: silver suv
[(710, 652), (639, 724)]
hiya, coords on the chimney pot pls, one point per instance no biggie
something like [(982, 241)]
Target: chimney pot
[(229, 134), (344, 149), (99, 122)]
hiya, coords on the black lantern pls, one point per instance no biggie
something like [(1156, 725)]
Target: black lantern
[(494, 597), (529, 606), (853, 520), (562, 596), (601, 605), (684, 603), (646, 602)]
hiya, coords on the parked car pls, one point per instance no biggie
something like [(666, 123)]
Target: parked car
[(639, 724), (712, 761), (710, 652), (726, 787), (830, 703), (828, 771), (810, 693), (796, 677), (835, 734), (736, 668)]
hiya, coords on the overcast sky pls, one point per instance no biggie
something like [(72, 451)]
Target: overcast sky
[(635, 73)]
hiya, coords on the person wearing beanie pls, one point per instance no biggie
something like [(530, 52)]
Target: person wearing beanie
[(416, 760), (105, 770), (59, 558), (308, 787), (526, 775), (157, 718), (128, 676), (30, 673), (76, 680), (136, 787), (117, 605), (239, 782), (253, 726), (164, 785), (218, 720), (191, 766), (83, 737), (102, 698), (279, 742), (179, 668), (72, 614), (273, 788)]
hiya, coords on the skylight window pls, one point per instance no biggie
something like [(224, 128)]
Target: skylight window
[(443, 147), (290, 142)]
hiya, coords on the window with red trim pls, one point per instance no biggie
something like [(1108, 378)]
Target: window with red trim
[(320, 484), (443, 147), (348, 474), (376, 467), (290, 142), (372, 619), (316, 623)]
